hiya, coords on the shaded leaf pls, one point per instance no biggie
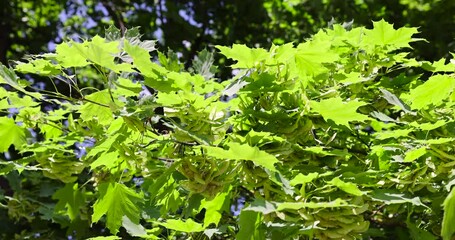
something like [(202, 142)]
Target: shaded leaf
[(394, 100), (250, 226), (69, 198)]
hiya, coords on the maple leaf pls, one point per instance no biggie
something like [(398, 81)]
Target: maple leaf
[(182, 226), (117, 200), (239, 151), (71, 198), (246, 57), (11, 134), (448, 222), (433, 91), (91, 110), (214, 208), (309, 57), (70, 56), (141, 58), (383, 34), (338, 111), (39, 66)]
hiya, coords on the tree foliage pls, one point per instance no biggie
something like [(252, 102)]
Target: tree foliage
[(328, 138)]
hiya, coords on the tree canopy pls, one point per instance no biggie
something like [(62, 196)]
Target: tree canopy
[(227, 119)]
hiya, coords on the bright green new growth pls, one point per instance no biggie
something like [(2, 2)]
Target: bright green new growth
[(323, 139)]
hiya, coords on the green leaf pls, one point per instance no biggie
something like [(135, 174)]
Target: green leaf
[(390, 197), (239, 151), (414, 154), (419, 234), (102, 53), (319, 150), (304, 179), (394, 100), (115, 201), (126, 87), (448, 221), (182, 226), (310, 56), (246, 57), (10, 133), (214, 208), (134, 229), (383, 34), (338, 111), (428, 126), (8, 76), (70, 56), (250, 226), (39, 66), (69, 198), (299, 205), (109, 160), (436, 141), (141, 59), (439, 66), (105, 238), (393, 134), (52, 130), (436, 89), (348, 187), (94, 111), (262, 206)]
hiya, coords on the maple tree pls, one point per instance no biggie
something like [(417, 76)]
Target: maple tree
[(333, 138)]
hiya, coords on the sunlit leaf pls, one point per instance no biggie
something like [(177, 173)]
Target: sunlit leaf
[(448, 221), (11, 134), (383, 34), (299, 205), (303, 179), (348, 187), (246, 57), (214, 208), (243, 152), (436, 89), (309, 57), (182, 226), (414, 154), (98, 108), (338, 111)]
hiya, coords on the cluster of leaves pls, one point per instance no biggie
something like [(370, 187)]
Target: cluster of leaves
[(342, 136)]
